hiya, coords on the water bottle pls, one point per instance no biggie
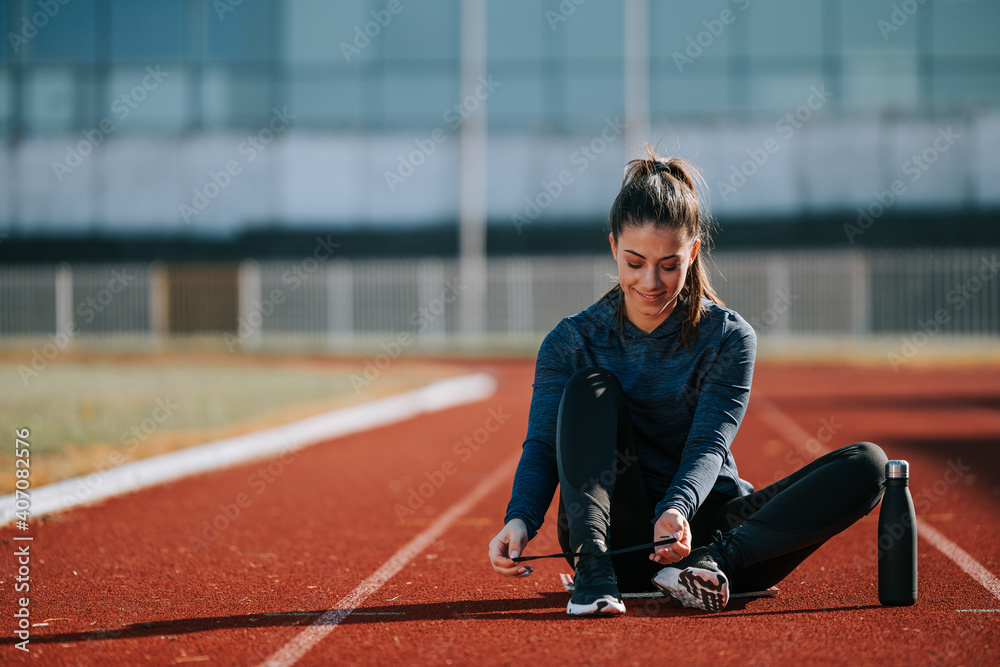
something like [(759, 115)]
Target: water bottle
[(897, 539)]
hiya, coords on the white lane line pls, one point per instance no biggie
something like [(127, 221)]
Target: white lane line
[(291, 652), (969, 564), (797, 437), (68, 493)]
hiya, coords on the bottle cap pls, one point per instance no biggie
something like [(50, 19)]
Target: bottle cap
[(897, 469)]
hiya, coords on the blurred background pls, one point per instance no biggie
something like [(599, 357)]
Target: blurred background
[(436, 175)]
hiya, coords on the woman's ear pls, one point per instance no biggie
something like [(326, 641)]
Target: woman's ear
[(695, 247), (614, 251)]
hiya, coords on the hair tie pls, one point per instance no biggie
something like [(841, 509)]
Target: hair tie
[(667, 168)]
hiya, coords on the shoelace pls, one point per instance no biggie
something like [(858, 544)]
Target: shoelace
[(570, 554), (594, 570)]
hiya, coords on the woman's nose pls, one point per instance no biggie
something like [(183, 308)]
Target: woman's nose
[(650, 279)]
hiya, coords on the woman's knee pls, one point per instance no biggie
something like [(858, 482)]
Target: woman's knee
[(869, 463)]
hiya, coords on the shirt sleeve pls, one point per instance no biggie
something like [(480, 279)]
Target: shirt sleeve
[(537, 474), (722, 403)]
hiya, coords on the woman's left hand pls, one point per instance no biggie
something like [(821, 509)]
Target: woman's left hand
[(671, 524)]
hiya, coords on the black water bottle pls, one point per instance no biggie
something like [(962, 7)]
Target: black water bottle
[(897, 539)]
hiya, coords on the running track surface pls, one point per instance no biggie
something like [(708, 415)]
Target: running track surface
[(122, 582)]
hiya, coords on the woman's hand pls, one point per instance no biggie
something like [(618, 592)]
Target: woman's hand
[(671, 524), (509, 543)]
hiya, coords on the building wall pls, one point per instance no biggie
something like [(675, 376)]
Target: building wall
[(838, 94)]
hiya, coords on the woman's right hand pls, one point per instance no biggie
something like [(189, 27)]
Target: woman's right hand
[(509, 543)]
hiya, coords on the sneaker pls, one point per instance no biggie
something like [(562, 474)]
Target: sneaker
[(698, 581), (595, 590)]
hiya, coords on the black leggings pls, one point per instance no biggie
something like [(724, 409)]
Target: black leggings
[(771, 531)]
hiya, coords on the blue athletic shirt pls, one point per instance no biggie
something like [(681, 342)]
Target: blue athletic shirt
[(685, 403)]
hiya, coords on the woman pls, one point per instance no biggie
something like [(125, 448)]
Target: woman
[(636, 403)]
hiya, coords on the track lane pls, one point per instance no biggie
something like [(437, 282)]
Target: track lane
[(249, 592), (315, 526)]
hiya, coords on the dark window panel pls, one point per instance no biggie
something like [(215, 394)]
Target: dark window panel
[(867, 28), (419, 97), (70, 35), (246, 33), (421, 31), (148, 31), (235, 96), (673, 24), (964, 28), (594, 30), (791, 30), (516, 30), (324, 32), (593, 93), (519, 101), (672, 95), (328, 101)]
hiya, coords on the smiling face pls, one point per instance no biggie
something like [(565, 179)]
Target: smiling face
[(652, 267)]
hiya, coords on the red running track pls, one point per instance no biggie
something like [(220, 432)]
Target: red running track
[(126, 582)]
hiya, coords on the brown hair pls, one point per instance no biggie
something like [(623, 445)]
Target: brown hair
[(662, 192)]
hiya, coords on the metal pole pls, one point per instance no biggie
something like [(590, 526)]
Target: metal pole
[(636, 75), (472, 175)]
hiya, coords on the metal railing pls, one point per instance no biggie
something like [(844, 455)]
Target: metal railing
[(350, 304)]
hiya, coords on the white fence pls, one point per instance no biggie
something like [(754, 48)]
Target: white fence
[(424, 303)]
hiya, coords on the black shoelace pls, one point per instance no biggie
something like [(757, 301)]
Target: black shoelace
[(570, 554)]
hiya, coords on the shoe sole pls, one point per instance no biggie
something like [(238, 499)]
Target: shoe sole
[(602, 607), (694, 587)]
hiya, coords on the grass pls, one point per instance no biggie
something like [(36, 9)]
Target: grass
[(81, 411)]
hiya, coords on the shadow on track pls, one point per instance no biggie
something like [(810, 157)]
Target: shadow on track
[(545, 607), (549, 606)]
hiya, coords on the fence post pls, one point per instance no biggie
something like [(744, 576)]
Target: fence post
[(249, 286), (340, 302), (64, 300), (159, 302)]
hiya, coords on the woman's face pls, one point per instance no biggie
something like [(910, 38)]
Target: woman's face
[(652, 267)]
